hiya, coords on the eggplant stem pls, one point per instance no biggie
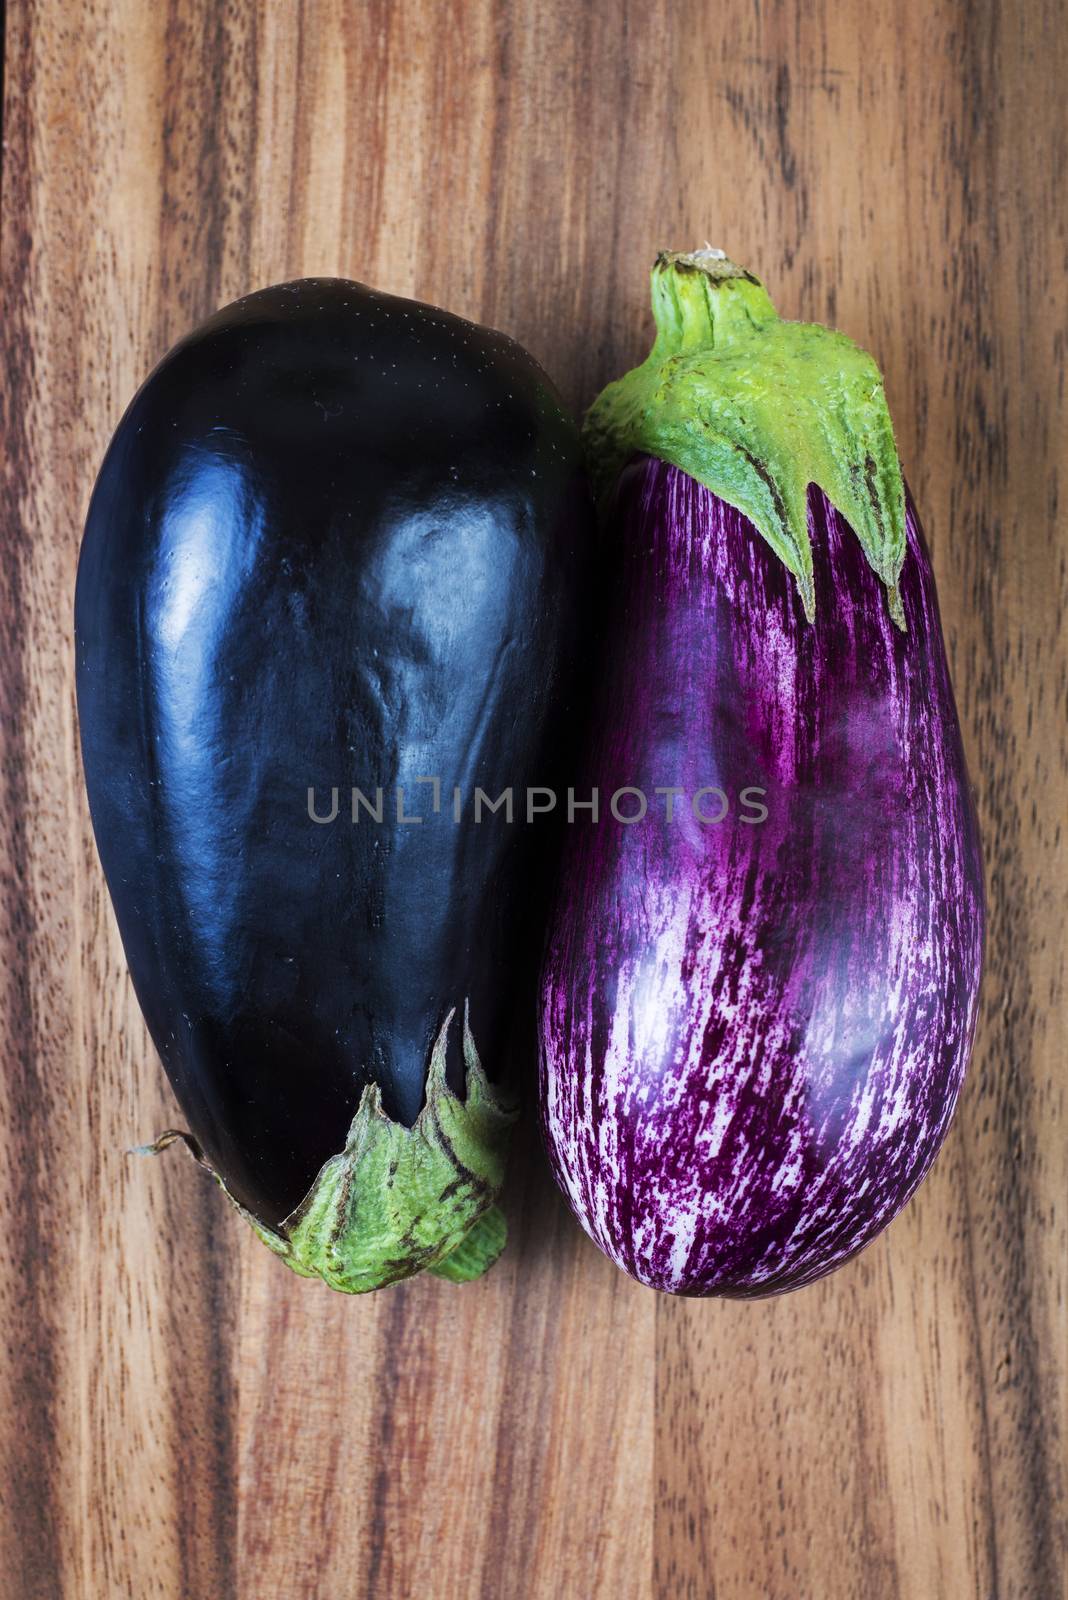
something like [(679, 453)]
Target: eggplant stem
[(757, 409), (398, 1200)]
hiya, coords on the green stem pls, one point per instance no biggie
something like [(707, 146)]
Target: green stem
[(399, 1200), (756, 409), (478, 1249)]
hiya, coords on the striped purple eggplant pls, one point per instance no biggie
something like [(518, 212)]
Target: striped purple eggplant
[(759, 995)]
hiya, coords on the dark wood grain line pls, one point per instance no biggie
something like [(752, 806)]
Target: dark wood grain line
[(3, 146), (29, 1490), (984, 1446), (495, 248), (1021, 1435), (683, 1528), (194, 202), (366, 105), (29, 1546), (241, 87), (202, 1327), (198, 209), (298, 156), (379, 1575), (514, 1512)]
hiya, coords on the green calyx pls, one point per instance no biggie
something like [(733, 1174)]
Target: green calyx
[(756, 409), (399, 1200)]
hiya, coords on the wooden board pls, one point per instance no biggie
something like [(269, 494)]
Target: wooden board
[(179, 1416)]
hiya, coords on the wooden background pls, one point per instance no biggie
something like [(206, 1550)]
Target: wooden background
[(178, 1415)]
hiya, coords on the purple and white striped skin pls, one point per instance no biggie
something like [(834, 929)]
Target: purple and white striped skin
[(753, 1034)]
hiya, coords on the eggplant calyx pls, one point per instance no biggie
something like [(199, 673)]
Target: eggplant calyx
[(399, 1200), (756, 409)]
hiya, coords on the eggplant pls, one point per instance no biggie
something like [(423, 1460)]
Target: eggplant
[(329, 589), (759, 996)]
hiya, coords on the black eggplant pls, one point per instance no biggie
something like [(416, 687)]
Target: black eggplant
[(336, 544)]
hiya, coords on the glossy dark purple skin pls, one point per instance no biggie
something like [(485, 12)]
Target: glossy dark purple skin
[(338, 539), (754, 1033)]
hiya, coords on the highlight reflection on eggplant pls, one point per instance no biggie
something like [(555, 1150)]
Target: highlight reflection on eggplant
[(337, 541)]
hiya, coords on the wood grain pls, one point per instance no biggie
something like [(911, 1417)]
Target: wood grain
[(179, 1416)]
